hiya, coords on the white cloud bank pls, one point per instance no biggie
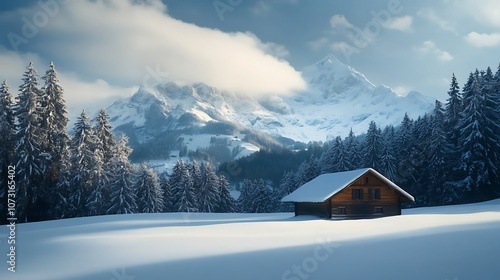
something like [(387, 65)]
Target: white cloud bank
[(123, 42), (483, 39), (403, 23), (429, 47)]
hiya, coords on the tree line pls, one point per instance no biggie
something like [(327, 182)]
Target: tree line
[(449, 156), (87, 173)]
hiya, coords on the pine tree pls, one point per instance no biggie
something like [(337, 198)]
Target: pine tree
[(353, 150), (54, 128), (387, 158), (122, 193), (452, 115), (247, 195), (404, 150), (168, 199), (148, 191), (437, 146), (85, 160), (30, 158), (208, 195), (373, 146), (182, 189), (196, 178), (341, 159), (226, 203), (105, 139), (7, 131), (262, 202), (327, 160), (479, 140)]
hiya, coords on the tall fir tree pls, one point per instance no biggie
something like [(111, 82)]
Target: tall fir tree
[(352, 149), (208, 193), (404, 149), (182, 189), (225, 202), (263, 198), (452, 115), (388, 164), (30, 157), (54, 125), (7, 131), (122, 193), (148, 191), (168, 199), (435, 169), (247, 195), (105, 139), (373, 146), (479, 140), (85, 160), (342, 161)]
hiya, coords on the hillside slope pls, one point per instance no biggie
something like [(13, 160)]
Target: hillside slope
[(453, 242)]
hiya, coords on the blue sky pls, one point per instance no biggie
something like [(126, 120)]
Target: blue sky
[(103, 49)]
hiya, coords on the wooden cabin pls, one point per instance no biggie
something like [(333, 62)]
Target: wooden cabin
[(362, 193)]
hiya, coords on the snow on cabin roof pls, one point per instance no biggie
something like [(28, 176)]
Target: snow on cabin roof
[(326, 185)]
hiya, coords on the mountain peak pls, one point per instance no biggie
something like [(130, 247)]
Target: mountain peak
[(330, 58)]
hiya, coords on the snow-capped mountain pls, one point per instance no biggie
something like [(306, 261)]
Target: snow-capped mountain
[(338, 99)]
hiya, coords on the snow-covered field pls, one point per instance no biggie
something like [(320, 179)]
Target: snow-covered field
[(454, 242)]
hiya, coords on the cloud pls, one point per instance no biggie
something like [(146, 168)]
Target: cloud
[(79, 93), (261, 8), (486, 12), (483, 39), (318, 43), (120, 41), (403, 23), (339, 21), (431, 16), (429, 47)]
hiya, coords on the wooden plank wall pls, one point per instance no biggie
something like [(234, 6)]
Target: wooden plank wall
[(389, 199)]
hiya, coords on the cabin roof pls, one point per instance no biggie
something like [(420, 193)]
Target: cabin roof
[(326, 185)]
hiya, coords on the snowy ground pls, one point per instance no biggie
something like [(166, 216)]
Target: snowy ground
[(456, 242)]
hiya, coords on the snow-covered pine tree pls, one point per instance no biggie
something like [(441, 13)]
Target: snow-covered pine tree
[(404, 149), (122, 194), (196, 178), (85, 160), (168, 199), (7, 131), (226, 203), (479, 139), (148, 191), (342, 159), (372, 146), (352, 149), (452, 115), (263, 198), (435, 169), (287, 186), (54, 125), (208, 194), (30, 157), (327, 160), (387, 158), (182, 189), (105, 139), (247, 195)]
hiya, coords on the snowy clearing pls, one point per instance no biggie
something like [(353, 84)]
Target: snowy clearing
[(453, 242)]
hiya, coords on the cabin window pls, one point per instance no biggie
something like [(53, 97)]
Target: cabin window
[(357, 193), (379, 210), (367, 180), (375, 193), (341, 211)]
